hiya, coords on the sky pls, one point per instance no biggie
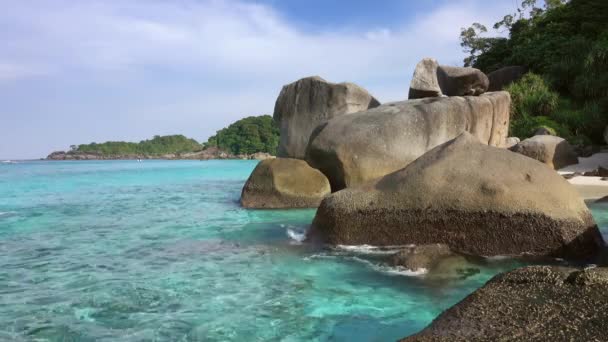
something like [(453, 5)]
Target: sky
[(74, 72)]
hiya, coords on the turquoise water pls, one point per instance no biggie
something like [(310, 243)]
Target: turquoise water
[(161, 251)]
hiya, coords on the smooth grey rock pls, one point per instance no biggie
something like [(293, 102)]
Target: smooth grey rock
[(356, 148), (503, 77), (477, 199), (424, 82), (459, 81), (307, 103), (551, 150)]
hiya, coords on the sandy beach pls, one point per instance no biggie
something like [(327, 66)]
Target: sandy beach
[(590, 188)]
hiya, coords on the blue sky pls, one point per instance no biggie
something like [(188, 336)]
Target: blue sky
[(74, 72)]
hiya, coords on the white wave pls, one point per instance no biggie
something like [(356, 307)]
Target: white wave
[(398, 270), (383, 268), (7, 213), (297, 235), (498, 257), (368, 249), (8, 162)]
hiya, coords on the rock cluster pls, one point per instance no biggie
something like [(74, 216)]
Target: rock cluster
[(432, 80), (439, 173), (477, 199), (354, 149)]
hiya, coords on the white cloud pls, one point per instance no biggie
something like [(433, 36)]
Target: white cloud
[(242, 40), (198, 64), (12, 71)]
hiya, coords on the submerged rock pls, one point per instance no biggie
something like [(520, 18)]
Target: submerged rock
[(421, 257), (356, 148), (309, 102), (478, 200), (284, 183), (537, 303), (424, 82), (553, 151), (459, 81)]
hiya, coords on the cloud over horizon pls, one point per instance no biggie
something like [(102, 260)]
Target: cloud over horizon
[(75, 72)]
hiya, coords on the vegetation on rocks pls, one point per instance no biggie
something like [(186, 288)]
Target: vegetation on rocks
[(565, 46), (246, 136)]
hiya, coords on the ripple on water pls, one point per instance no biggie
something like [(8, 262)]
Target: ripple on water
[(107, 251)]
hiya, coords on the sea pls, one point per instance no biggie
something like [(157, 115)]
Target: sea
[(162, 251)]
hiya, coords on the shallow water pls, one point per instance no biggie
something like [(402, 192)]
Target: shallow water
[(161, 251)]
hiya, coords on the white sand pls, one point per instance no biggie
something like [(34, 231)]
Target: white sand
[(589, 187)]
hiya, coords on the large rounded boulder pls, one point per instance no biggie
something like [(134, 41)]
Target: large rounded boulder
[(503, 77), (459, 81), (477, 199), (551, 150), (536, 303), (309, 102), (356, 148), (284, 183)]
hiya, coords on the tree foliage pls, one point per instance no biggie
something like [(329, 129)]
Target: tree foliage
[(566, 43), (246, 136), (159, 145)]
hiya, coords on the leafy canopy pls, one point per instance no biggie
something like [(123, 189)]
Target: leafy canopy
[(246, 136), (169, 144), (566, 44)]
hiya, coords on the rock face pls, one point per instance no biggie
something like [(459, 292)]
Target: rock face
[(309, 102), (356, 148), (553, 151), (284, 183), (458, 81), (478, 200), (538, 303), (424, 82), (503, 77)]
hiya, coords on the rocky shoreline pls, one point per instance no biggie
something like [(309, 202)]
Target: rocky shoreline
[(439, 173), (207, 154)]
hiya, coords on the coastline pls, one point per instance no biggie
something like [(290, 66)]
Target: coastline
[(590, 188), (208, 154)]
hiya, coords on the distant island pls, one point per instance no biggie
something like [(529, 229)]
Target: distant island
[(254, 137)]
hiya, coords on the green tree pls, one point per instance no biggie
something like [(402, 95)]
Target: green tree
[(249, 135), (158, 145), (565, 43)]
